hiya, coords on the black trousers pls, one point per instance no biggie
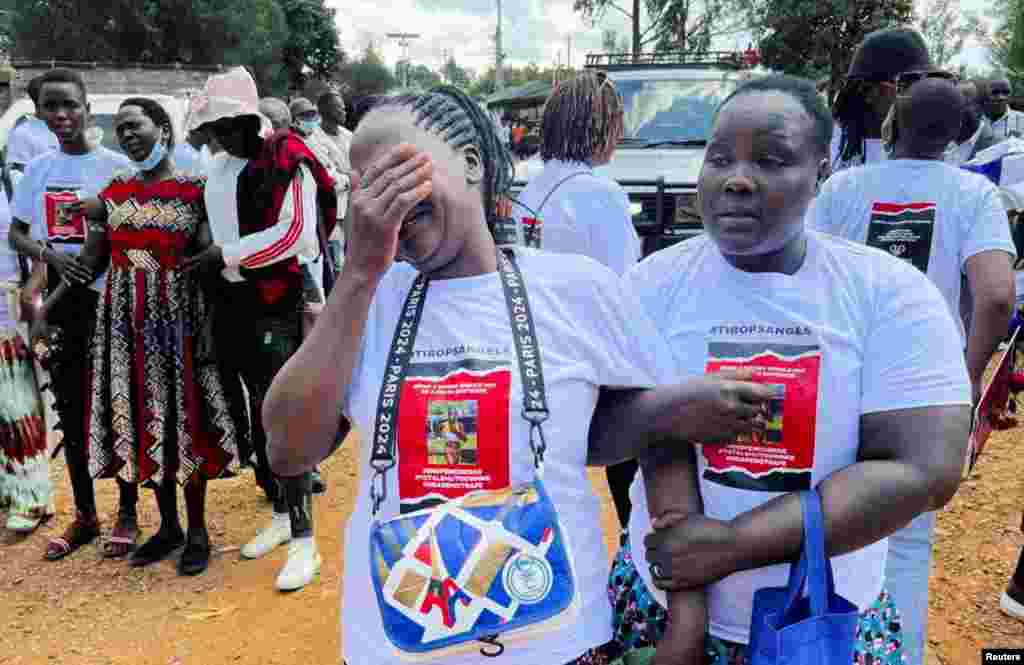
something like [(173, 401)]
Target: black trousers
[(252, 346), (72, 322)]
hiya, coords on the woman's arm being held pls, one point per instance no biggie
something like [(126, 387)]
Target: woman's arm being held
[(910, 462)]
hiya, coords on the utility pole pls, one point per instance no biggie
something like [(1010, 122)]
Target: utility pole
[(404, 39), (499, 78)]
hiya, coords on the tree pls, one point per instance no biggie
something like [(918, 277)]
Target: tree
[(676, 25), (455, 75), (281, 40), (1006, 43), (366, 76), (312, 42), (815, 38), (423, 77), (946, 28), (483, 85)]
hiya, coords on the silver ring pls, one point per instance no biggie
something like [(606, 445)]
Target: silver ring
[(364, 183), (657, 572)]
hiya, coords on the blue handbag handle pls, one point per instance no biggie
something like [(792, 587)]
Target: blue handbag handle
[(813, 566)]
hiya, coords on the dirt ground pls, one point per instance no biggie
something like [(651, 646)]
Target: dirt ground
[(89, 611)]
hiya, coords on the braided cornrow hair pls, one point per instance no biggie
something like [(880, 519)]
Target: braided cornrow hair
[(454, 116), (849, 110), (581, 117)]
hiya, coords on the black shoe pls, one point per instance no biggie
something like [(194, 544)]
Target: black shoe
[(159, 547), (318, 486), (195, 558)]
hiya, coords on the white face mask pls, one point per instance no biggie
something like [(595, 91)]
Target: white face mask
[(307, 127), (156, 155)]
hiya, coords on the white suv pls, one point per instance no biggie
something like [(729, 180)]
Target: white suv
[(104, 108), (670, 102)]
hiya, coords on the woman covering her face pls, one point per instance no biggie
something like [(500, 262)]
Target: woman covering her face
[(431, 170), (870, 397)]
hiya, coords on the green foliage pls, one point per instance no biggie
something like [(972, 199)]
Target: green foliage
[(669, 25), (455, 74), (1007, 41), (816, 38), (946, 28), (278, 39), (516, 76), (422, 77), (366, 76)]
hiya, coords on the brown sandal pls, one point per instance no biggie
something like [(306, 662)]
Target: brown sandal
[(123, 539), (80, 532)]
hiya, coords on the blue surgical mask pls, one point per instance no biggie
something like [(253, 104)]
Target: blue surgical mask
[(156, 155), (307, 127)]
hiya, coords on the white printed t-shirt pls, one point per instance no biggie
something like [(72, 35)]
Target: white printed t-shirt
[(1010, 125), (872, 151), (26, 142), (854, 331), (9, 271), (587, 214), (589, 336), (55, 178), (190, 161), (929, 213)]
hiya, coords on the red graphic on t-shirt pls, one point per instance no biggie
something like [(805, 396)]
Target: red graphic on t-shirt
[(780, 458), (903, 230), (60, 224), (453, 435)]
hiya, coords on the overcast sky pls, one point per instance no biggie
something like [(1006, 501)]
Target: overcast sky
[(533, 30)]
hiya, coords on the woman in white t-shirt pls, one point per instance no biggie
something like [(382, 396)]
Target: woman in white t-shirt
[(874, 402), (582, 212), (432, 168), (864, 101)]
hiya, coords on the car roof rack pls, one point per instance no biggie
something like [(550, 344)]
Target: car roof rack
[(671, 59)]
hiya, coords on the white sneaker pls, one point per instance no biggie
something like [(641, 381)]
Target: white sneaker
[(302, 566), (278, 533), (1010, 606)]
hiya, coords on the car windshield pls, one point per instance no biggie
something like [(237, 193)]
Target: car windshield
[(673, 110)]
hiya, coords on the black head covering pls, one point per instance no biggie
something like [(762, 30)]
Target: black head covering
[(885, 53)]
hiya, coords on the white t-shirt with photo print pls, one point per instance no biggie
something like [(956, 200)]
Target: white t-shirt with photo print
[(932, 214), (853, 331), (590, 335), (57, 177)]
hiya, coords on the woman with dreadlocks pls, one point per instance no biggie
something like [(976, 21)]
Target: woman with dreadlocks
[(864, 101), (579, 211), (430, 316)]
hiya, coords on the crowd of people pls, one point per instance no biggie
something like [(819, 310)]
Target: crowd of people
[(246, 296), (173, 295)]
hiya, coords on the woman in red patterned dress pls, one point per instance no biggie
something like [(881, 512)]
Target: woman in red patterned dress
[(156, 412)]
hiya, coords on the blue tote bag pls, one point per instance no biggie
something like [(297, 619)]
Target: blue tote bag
[(789, 628)]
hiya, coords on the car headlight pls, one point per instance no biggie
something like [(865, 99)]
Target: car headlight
[(635, 208)]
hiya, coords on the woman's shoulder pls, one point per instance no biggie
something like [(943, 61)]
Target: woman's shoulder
[(565, 274)]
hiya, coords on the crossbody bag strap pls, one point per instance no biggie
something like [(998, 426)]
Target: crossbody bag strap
[(385, 426), (559, 184), (524, 334)]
